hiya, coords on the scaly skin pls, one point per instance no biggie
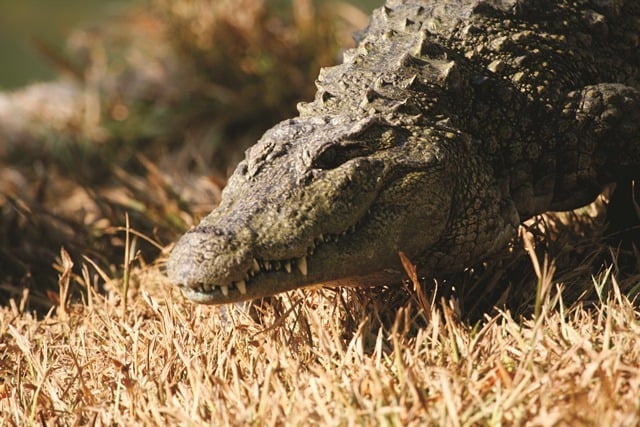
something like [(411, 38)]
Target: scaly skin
[(450, 123)]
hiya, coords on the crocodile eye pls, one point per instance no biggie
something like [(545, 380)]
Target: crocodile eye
[(326, 159), (335, 155)]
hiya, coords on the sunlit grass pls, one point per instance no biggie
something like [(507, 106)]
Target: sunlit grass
[(165, 360)]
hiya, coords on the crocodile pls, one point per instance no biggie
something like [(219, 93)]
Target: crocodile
[(449, 123)]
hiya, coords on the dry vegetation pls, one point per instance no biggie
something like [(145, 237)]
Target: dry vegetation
[(150, 113)]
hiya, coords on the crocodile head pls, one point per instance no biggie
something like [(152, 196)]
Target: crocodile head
[(319, 201)]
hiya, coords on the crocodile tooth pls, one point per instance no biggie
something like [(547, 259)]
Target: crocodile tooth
[(302, 265), (267, 266), (256, 265), (207, 287), (276, 265), (242, 287), (287, 266), (225, 290)]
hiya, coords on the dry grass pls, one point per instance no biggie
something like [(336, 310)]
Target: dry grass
[(318, 357), (151, 113)]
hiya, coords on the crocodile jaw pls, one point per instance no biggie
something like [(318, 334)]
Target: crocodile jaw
[(265, 278), (212, 281)]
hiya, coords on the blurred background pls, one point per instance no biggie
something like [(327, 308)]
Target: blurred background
[(29, 27), (26, 24)]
